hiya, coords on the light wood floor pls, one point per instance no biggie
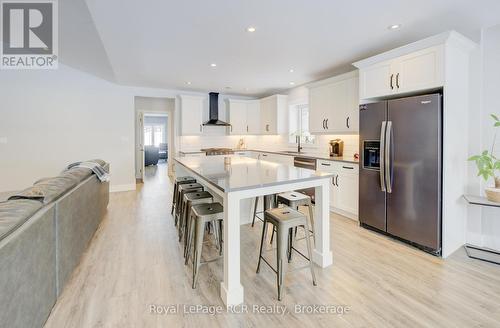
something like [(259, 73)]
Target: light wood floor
[(135, 260)]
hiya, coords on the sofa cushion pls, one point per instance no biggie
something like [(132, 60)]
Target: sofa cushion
[(53, 188), (14, 213), (77, 173), (47, 190)]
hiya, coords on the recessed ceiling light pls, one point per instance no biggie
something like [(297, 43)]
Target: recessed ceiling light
[(292, 83), (188, 82), (394, 26), (251, 29), (291, 70), (213, 65)]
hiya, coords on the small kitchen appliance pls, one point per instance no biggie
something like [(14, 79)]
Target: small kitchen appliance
[(336, 148)]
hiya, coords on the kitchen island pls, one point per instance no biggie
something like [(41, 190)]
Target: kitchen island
[(246, 178)]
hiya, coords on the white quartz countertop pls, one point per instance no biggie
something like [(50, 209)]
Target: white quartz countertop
[(246, 173), (320, 156)]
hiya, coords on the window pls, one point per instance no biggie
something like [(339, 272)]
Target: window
[(158, 135), (153, 135), (299, 125), (148, 135)]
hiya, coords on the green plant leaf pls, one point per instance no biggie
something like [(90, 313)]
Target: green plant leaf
[(497, 124), (474, 158), (485, 153), (494, 117)]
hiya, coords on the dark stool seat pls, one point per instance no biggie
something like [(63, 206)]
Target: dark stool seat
[(177, 182), (181, 190)]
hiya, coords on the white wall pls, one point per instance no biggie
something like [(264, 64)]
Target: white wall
[(483, 226), (52, 118)]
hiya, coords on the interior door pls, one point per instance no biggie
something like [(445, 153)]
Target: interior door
[(414, 203), (372, 197), (141, 145)]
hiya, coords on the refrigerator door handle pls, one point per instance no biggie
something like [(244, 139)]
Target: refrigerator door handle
[(382, 156), (388, 158)]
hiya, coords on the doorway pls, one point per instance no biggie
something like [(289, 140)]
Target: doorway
[(154, 136)]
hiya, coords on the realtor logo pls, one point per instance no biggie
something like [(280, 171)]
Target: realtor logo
[(29, 34)]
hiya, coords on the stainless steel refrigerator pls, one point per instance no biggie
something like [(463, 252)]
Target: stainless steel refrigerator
[(400, 178)]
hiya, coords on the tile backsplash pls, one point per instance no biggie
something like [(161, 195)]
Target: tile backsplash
[(275, 142)]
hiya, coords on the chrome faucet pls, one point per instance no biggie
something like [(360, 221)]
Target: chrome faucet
[(297, 140)]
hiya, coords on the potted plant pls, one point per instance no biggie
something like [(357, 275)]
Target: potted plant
[(488, 166)]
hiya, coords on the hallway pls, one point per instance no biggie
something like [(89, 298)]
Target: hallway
[(135, 262)]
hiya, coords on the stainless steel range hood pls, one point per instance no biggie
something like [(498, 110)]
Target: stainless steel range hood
[(213, 105)]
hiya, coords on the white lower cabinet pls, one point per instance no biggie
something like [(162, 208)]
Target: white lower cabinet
[(277, 158), (344, 187)]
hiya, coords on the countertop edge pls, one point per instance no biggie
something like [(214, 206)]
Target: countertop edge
[(325, 176), (317, 157)]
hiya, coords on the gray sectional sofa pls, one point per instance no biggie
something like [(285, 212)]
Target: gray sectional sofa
[(44, 230)]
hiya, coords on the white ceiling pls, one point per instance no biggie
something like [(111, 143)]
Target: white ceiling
[(164, 43)]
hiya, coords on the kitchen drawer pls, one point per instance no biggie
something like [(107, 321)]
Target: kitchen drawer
[(337, 167), (346, 168)]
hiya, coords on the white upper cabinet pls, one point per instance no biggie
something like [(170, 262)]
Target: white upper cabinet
[(413, 72), (272, 114), (192, 108), (237, 117), (244, 117), (333, 105), (253, 117), (376, 80), (420, 70)]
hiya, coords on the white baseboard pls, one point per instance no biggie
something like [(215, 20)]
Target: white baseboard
[(123, 187), (348, 215)]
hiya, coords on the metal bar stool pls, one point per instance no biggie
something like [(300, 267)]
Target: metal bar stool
[(269, 202), (202, 214), (190, 199), (285, 219), (177, 182), (181, 190)]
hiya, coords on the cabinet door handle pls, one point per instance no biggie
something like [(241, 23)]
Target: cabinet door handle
[(326, 123), (397, 80), (323, 124), (337, 180), (348, 167), (201, 128), (247, 128), (347, 122), (392, 86), (325, 164)]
